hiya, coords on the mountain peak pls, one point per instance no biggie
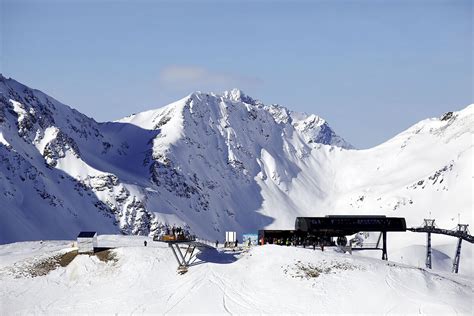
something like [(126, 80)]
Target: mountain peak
[(238, 95)]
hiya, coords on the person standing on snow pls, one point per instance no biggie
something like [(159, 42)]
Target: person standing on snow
[(217, 243)]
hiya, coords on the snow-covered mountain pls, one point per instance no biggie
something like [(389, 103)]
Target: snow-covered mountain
[(215, 162)]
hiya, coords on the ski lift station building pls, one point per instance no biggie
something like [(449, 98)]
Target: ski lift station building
[(86, 242)]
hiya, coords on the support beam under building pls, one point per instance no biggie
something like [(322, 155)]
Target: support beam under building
[(183, 260), (428, 250), (457, 257), (384, 249), (462, 228)]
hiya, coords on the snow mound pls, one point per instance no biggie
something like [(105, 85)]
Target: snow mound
[(266, 279)]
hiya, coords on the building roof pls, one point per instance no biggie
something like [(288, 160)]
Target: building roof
[(86, 234)]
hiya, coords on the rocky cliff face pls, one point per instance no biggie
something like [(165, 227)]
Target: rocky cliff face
[(51, 186), (210, 162)]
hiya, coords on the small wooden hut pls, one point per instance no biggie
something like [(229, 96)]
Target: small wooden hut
[(86, 242)]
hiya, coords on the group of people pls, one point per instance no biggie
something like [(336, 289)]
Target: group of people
[(178, 232), (167, 232), (229, 244), (294, 242)]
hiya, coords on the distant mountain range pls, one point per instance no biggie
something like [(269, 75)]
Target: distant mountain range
[(215, 162)]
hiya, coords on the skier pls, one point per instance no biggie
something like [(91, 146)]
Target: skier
[(236, 242), (144, 243), (217, 243), (314, 245)]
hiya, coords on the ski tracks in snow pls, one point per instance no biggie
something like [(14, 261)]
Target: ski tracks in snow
[(231, 294), (207, 279), (421, 290)]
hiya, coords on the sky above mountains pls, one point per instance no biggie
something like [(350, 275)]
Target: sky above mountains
[(370, 68)]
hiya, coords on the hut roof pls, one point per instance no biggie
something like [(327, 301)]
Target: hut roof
[(86, 234)]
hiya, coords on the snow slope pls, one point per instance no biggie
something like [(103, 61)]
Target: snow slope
[(217, 162), (266, 279)]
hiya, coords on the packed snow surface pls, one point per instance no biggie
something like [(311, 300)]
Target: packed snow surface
[(264, 279)]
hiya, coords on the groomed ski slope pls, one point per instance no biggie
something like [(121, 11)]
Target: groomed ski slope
[(264, 279)]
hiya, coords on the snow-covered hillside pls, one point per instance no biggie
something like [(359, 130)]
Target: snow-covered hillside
[(215, 162), (267, 279)]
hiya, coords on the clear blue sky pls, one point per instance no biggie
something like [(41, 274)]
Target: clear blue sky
[(371, 68)]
